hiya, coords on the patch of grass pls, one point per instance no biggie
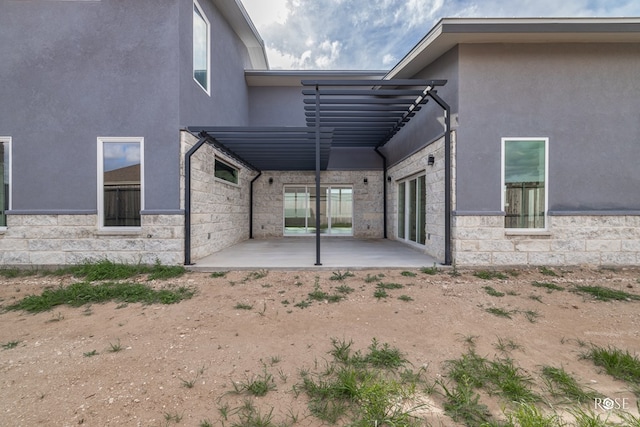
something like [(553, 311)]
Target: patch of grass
[(217, 274), (255, 275), (109, 270), (405, 298), (617, 363), (380, 293), (384, 356), (374, 278), (10, 345), (258, 385), (175, 417), (563, 385), (383, 285), (337, 275), (548, 286), (494, 293), (429, 270), (506, 345), (463, 405), (407, 273), (344, 289), (601, 293), (500, 312), (243, 306), (115, 347), (302, 304), (90, 353), (318, 294), (531, 315), (545, 271), (78, 294), (490, 275), (536, 298), (528, 415), (12, 273)]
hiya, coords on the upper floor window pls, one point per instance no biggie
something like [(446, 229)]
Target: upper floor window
[(120, 181), (226, 172), (201, 42), (5, 179), (524, 182)]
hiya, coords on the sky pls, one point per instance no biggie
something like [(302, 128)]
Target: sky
[(376, 34)]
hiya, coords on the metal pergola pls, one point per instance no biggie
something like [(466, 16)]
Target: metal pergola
[(339, 114)]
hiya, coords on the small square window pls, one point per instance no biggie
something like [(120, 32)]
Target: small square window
[(226, 172)]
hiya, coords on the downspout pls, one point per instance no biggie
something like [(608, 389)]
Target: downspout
[(384, 191), (251, 204), (187, 198), (447, 175)]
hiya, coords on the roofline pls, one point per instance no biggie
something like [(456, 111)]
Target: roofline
[(294, 77), (450, 32), (239, 20)]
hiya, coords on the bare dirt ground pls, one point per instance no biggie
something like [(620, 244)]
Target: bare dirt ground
[(63, 373)]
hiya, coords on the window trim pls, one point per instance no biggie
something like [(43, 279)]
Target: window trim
[(503, 142), (196, 5), (7, 140), (224, 162), (100, 187)]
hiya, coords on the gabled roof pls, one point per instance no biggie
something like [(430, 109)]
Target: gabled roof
[(450, 32), (239, 20)]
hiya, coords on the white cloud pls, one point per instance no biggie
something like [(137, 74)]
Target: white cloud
[(373, 34)]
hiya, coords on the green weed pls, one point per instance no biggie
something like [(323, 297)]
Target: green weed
[(243, 306), (500, 312), (545, 271), (380, 293), (10, 344), (337, 275), (90, 353), (606, 294), (563, 385), (383, 285), (408, 273), (78, 294), (430, 270), (547, 285), (258, 385), (405, 298), (255, 275), (115, 347), (490, 275), (494, 293), (217, 274), (617, 363)]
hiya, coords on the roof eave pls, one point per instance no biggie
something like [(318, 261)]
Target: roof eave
[(450, 32), (241, 23)]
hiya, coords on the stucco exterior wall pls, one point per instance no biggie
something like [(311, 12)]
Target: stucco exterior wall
[(584, 97), (416, 165), (53, 240), (219, 209), (595, 240), (367, 200)]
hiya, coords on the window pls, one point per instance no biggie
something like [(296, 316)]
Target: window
[(412, 200), (120, 179), (201, 42), (226, 172), (5, 179), (524, 182)]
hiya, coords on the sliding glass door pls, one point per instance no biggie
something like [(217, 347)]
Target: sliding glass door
[(336, 210), (412, 198)]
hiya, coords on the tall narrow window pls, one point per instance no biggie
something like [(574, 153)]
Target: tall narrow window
[(120, 172), (412, 200), (524, 182), (5, 179), (201, 44)]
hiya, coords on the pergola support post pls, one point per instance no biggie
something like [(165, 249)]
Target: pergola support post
[(317, 176)]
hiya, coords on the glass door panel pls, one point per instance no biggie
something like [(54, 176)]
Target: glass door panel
[(296, 209), (341, 202), (412, 199)]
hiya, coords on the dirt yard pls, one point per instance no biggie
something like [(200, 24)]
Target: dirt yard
[(177, 363)]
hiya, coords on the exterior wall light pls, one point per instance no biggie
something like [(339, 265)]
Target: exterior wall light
[(365, 180), (431, 160), (388, 179), (270, 180)]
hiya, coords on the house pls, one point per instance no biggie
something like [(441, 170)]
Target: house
[(492, 142)]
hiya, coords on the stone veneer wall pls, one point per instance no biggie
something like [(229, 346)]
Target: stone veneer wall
[(62, 239), (219, 209), (268, 206), (571, 239), (434, 177)]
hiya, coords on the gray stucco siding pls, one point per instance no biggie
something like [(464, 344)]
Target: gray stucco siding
[(227, 104), (584, 97), (80, 70), (428, 123)]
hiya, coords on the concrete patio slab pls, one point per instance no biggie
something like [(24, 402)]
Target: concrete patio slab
[(297, 253)]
